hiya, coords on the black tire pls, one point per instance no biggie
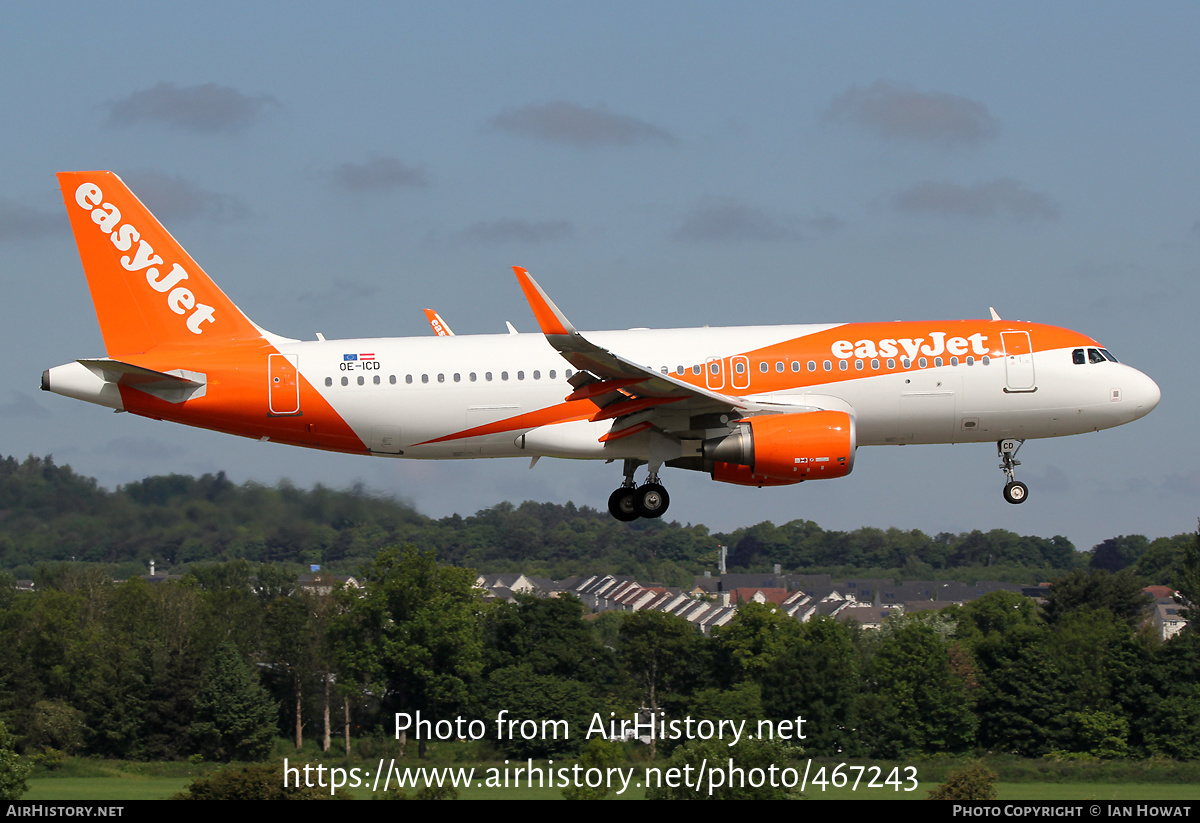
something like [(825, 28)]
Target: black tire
[(1016, 492), (652, 500), (622, 504)]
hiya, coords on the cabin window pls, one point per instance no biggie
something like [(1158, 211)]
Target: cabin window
[(762, 367), (328, 381), (891, 363), (922, 362), (457, 377), (874, 364), (779, 366), (471, 377), (828, 365), (361, 380), (424, 378), (345, 381), (408, 378), (376, 380), (392, 379), (812, 365)]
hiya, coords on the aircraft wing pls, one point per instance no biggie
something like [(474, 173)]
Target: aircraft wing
[(618, 384)]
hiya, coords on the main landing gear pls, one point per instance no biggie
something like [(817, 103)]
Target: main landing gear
[(1014, 490), (632, 501)]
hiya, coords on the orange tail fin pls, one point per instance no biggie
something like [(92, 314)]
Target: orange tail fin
[(147, 290)]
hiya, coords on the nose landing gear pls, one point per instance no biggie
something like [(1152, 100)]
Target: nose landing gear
[(631, 501), (1014, 490)]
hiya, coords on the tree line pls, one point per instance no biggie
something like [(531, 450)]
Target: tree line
[(48, 513), (226, 660)]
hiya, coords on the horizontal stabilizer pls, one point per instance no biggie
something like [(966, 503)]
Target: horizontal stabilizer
[(174, 387)]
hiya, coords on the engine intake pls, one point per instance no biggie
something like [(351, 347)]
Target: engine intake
[(777, 449)]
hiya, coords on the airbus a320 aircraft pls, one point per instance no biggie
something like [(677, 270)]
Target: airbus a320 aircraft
[(755, 405)]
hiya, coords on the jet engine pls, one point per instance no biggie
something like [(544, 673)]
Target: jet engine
[(781, 449)]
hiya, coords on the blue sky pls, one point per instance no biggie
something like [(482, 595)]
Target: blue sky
[(337, 168)]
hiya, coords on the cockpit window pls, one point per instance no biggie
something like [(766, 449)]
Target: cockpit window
[(1108, 356), (1094, 356), (1077, 357)]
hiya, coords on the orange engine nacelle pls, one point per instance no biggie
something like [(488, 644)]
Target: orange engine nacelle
[(780, 449)]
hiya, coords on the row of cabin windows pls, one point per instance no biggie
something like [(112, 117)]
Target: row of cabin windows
[(457, 377), (713, 367)]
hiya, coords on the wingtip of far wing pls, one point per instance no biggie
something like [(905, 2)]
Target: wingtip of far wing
[(550, 318)]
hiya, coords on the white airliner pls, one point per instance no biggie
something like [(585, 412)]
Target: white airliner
[(754, 405)]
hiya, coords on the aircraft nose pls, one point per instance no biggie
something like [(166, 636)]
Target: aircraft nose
[(1144, 393)]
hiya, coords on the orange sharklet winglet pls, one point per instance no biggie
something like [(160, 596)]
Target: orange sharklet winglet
[(550, 318), (440, 327)]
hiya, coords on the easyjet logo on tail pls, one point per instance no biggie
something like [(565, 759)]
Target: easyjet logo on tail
[(180, 299)]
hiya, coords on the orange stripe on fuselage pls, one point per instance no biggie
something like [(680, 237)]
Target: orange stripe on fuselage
[(819, 347), (236, 399), (558, 413)]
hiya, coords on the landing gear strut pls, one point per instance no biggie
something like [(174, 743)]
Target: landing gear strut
[(1014, 490), (631, 501)]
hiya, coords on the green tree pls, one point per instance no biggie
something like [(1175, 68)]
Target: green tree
[(416, 634), (598, 754), (757, 637), (657, 650), (1084, 589), (921, 703), (1118, 553), (819, 679), (730, 771), (1188, 583), (13, 768), (260, 782), (972, 782), (544, 698), (235, 718)]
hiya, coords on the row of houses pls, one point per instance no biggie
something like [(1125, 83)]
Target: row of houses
[(713, 601)]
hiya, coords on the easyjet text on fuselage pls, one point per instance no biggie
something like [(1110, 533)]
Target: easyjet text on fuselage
[(935, 345)]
